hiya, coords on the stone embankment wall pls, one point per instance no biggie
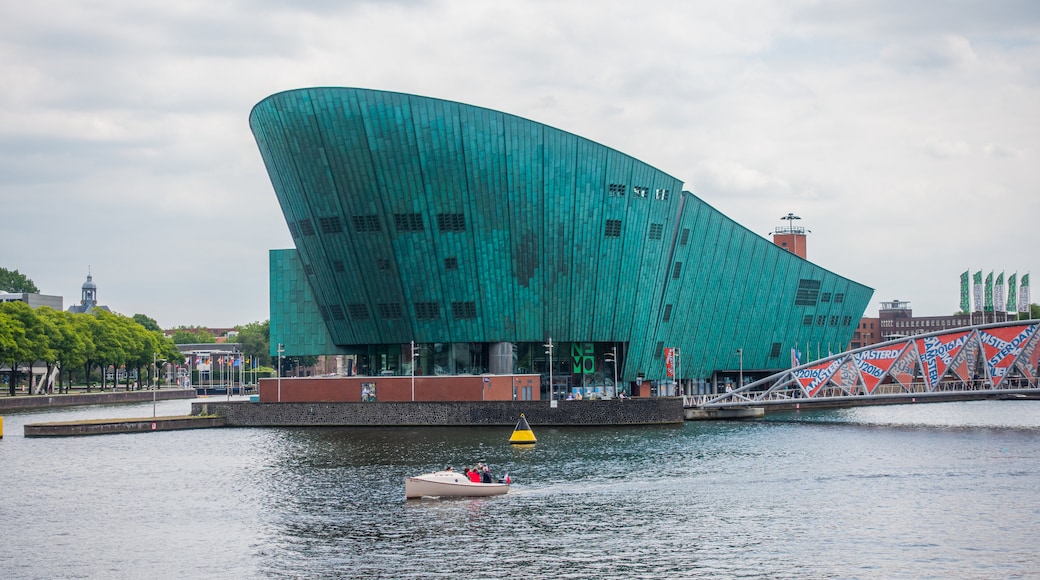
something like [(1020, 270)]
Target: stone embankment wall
[(655, 411), (71, 400)]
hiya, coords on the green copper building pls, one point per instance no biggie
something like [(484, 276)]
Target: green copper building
[(480, 236)]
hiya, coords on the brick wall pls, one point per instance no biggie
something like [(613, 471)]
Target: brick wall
[(387, 389)]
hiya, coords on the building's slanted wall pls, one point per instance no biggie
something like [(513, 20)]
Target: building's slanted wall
[(417, 219)]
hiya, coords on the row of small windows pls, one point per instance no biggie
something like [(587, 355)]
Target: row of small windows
[(838, 297), (369, 223), (933, 322), (409, 222), (330, 225), (619, 190), (382, 264), (394, 311), (822, 320), (612, 229), (451, 222)]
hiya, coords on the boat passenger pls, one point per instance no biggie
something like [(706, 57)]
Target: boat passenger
[(485, 477), (448, 468), (474, 476)]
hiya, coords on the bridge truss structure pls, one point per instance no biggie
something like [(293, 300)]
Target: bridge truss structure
[(974, 362)]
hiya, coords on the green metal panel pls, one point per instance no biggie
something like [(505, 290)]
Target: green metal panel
[(355, 171), (295, 320)]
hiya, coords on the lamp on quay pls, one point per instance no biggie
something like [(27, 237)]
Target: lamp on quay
[(281, 349)]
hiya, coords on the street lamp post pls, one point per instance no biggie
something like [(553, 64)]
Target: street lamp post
[(740, 352), (413, 351), (281, 349), (612, 358), (678, 371), (155, 386), (549, 351)]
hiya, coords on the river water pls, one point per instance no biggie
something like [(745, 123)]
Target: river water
[(946, 490)]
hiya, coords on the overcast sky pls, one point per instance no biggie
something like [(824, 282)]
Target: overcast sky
[(905, 134)]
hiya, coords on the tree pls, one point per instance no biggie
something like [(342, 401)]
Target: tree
[(73, 346), (13, 281), (110, 339), (255, 339), (35, 345), (49, 353), (12, 334), (185, 335), (147, 322)]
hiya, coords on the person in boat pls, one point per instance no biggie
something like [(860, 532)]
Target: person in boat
[(485, 476), (448, 468), (474, 475)]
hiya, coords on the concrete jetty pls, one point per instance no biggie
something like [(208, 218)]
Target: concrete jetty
[(106, 426)]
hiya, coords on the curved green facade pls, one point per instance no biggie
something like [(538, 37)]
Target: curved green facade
[(419, 219)]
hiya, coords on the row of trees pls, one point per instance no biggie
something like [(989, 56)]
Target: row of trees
[(69, 341), (80, 343)]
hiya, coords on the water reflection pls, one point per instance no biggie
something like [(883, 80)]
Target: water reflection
[(922, 491)]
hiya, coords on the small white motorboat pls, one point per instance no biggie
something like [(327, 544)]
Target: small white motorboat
[(451, 484)]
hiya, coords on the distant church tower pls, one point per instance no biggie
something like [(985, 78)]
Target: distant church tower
[(791, 237), (88, 297)]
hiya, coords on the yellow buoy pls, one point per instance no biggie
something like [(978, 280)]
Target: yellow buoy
[(522, 433), (1, 427)]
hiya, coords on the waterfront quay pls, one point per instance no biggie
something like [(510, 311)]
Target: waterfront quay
[(636, 411), (98, 398)]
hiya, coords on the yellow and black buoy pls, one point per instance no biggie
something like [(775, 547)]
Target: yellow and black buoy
[(522, 434)]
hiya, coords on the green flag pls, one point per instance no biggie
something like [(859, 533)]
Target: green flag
[(965, 306), (989, 292), (998, 293), (1023, 294), (1012, 302), (976, 281)]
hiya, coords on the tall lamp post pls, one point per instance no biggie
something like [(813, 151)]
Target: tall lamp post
[(678, 371), (740, 353), (611, 357), (281, 349), (549, 351), (413, 353)]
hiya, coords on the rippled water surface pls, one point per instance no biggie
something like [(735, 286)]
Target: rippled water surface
[(940, 490)]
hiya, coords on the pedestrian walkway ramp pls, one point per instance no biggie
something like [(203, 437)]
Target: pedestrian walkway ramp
[(974, 362)]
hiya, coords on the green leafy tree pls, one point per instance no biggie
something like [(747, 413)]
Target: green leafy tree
[(147, 322), (12, 334), (88, 327), (111, 339), (48, 354), (166, 351), (13, 281), (185, 335), (72, 344), (35, 345), (255, 339), (139, 347)]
